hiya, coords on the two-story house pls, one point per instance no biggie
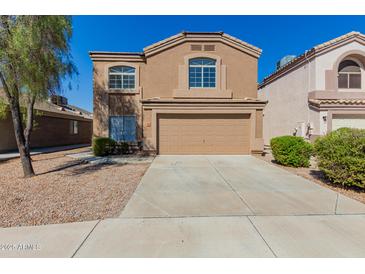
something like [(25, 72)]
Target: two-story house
[(192, 93), (321, 90)]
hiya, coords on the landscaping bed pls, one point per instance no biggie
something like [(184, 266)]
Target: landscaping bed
[(65, 190), (313, 174)]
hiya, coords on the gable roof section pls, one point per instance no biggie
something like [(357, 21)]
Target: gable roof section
[(202, 37), (173, 41), (315, 51)]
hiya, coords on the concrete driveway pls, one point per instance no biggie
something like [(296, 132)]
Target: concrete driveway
[(229, 206), (220, 206)]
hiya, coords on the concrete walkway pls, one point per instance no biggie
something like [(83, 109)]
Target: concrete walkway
[(34, 151), (209, 206)]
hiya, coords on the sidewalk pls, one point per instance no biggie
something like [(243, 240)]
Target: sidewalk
[(11, 155)]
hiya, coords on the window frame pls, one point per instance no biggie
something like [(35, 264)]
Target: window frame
[(74, 127), (123, 117), (202, 72), (134, 73), (348, 88)]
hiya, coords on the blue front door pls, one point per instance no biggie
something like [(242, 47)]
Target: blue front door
[(123, 128)]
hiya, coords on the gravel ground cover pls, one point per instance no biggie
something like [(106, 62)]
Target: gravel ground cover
[(315, 175), (65, 190)]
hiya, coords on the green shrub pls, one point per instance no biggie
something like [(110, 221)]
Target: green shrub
[(291, 151), (103, 146), (341, 156)]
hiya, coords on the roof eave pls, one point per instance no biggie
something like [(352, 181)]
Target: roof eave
[(201, 101), (116, 56), (205, 37)]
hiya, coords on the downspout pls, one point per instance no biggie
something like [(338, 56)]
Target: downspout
[(308, 126)]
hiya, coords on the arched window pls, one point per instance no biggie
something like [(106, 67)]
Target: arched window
[(122, 77), (202, 73), (349, 75)]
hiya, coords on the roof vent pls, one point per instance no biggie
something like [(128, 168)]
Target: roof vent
[(209, 47), (285, 60), (196, 47)]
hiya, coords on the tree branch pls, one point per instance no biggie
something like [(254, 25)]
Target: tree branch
[(5, 85)]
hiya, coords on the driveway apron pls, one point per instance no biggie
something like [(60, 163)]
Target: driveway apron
[(229, 206)]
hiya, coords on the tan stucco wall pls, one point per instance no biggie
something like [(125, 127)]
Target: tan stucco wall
[(160, 75), (100, 100), (259, 124), (147, 130), (108, 103)]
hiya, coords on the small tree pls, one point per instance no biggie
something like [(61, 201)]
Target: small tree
[(34, 58)]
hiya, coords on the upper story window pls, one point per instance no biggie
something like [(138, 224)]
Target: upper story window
[(202, 73), (122, 77), (349, 75)]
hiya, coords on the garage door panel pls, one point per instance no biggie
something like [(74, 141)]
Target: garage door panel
[(204, 134), (348, 120)]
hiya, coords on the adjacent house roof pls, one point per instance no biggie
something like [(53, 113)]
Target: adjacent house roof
[(69, 110), (321, 48), (175, 40), (65, 110)]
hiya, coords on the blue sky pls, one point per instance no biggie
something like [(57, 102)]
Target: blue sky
[(275, 35)]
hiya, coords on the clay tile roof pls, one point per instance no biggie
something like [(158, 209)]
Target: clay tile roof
[(311, 52), (337, 101)]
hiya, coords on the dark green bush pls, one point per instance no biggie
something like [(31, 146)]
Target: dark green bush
[(291, 151), (341, 156), (103, 146), (121, 148)]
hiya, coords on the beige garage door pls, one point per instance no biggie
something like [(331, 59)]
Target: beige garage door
[(348, 120), (203, 134)]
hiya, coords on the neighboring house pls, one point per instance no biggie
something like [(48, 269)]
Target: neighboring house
[(192, 93), (56, 124), (317, 92)]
